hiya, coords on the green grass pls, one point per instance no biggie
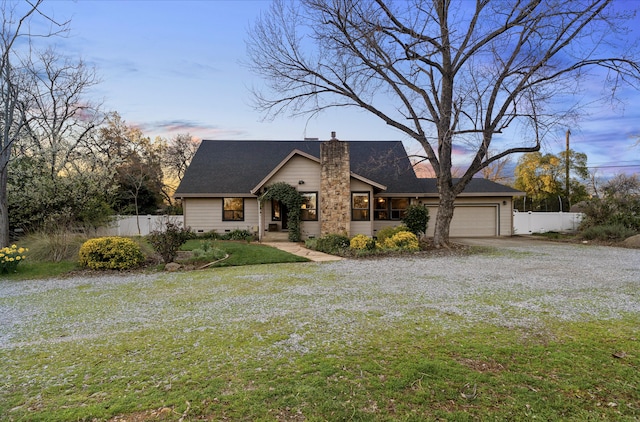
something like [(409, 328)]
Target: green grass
[(244, 253), (240, 253), (193, 346), (36, 270)]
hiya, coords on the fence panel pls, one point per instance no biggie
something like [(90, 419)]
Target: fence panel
[(542, 222), (131, 225)]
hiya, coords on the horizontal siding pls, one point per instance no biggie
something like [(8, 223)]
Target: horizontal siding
[(360, 186), (205, 214), (299, 169), (361, 227), (310, 229)]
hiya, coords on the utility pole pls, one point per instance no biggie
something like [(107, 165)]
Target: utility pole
[(566, 164)]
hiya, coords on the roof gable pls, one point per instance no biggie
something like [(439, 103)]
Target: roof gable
[(295, 152)]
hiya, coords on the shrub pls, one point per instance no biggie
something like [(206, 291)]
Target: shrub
[(167, 242), (403, 241), (207, 252), (110, 253), (10, 257), (335, 244), (362, 242), (416, 219), (388, 232), (213, 235), (311, 243), (607, 232), (238, 234)]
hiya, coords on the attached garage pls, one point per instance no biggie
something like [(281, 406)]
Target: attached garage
[(476, 216), (474, 220)]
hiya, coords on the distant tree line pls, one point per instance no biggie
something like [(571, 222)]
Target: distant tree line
[(64, 162), (73, 183)]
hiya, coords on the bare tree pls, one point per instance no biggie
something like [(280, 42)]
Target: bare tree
[(62, 120), (496, 170), (177, 154), (443, 72), (14, 83)]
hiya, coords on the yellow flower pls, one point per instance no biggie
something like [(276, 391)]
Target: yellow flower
[(18, 258), (21, 250)]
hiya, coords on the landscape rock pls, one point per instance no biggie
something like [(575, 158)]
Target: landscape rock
[(172, 267), (632, 242)]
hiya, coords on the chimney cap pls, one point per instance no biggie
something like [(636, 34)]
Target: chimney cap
[(333, 136)]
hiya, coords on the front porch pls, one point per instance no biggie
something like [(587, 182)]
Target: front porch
[(275, 236)]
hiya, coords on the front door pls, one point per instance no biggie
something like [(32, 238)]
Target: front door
[(279, 213)]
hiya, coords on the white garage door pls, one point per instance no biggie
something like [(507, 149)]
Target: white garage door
[(474, 221)]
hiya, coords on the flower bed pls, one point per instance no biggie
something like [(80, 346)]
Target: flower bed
[(10, 257)]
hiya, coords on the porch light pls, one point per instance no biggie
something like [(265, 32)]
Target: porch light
[(301, 182)]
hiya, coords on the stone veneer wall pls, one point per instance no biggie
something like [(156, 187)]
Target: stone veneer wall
[(335, 187)]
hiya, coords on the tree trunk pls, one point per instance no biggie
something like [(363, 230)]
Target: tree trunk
[(4, 209), (443, 217)]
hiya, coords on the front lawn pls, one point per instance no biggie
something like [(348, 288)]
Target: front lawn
[(240, 253), (244, 253), (352, 340)]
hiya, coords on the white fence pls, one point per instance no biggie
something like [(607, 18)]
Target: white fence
[(130, 225), (542, 222)]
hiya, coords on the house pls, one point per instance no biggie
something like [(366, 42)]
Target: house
[(355, 187)]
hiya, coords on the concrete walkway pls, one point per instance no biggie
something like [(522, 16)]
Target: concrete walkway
[(298, 249)]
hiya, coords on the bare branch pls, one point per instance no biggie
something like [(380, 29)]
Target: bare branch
[(445, 73)]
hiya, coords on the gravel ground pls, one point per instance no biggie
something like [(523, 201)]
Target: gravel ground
[(520, 284)]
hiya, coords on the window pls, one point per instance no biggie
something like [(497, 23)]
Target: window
[(381, 210), (399, 207), (309, 208), (233, 209), (390, 208), (360, 206)]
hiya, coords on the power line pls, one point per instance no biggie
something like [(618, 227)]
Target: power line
[(606, 163), (614, 167)]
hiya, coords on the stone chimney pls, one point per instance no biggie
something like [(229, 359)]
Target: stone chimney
[(335, 187)]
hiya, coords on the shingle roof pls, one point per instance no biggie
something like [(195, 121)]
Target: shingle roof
[(236, 167)]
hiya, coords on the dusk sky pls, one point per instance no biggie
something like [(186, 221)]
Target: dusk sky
[(175, 66)]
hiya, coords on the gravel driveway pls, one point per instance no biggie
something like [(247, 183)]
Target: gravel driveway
[(519, 283)]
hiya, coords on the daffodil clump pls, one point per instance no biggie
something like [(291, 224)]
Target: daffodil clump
[(10, 257)]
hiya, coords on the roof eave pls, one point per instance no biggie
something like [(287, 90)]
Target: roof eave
[(368, 181)]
